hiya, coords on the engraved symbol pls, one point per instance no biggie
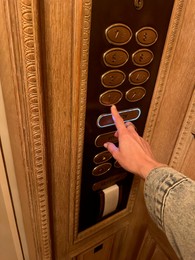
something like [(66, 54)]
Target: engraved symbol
[(145, 36), (133, 95), (141, 57), (137, 77), (114, 58), (116, 34), (111, 79), (109, 97), (100, 170), (138, 4)]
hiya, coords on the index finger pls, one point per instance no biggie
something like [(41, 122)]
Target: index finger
[(120, 125)]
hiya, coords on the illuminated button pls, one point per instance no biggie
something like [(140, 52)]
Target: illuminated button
[(101, 169), (110, 97), (103, 138), (113, 78), (135, 94), (142, 57), (146, 36), (127, 115), (102, 157), (115, 57), (118, 34), (139, 76)]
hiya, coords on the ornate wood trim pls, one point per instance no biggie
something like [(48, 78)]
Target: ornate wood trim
[(85, 15), (33, 125), (81, 100), (173, 32), (185, 137)]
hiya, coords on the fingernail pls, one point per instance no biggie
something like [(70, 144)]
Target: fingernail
[(106, 145)]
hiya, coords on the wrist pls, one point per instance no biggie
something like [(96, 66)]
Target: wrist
[(148, 166)]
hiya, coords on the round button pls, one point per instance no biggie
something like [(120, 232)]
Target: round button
[(110, 97), (101, 169), (115, 57), (142, 57), (135, 94), (118, 34), (146, 36), (139, 76), (113, 78), (102, 157)]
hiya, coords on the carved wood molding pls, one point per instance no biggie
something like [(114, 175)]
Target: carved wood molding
[(153, 113), (34, 124), (185, 137), (86, 22), (163, 73)]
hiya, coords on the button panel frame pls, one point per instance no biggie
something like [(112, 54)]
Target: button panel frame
[(123, 12)]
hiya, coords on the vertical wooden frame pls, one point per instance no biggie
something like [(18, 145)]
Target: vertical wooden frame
[(33, 90), (24, 79)]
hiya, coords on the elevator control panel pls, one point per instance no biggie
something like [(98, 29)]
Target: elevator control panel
[(127, 38)]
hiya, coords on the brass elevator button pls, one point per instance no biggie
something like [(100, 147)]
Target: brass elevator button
[(118, 34), (135, 94), (113, 78), (146, 36), (115, 57), (103, 138), (128, 115), (139, 76), (102, 157), (110, 97), (101, 169), (142, 57)]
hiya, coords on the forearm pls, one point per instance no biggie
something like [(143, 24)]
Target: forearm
[(169, 197)]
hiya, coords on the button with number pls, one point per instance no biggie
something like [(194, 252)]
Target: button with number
[(103, 138), (118, 34), (101, 169), (113, 78), (146, 36), (142, 57), (110, 97), (135, 94), (102, 157), (139, 76), (115, 57)]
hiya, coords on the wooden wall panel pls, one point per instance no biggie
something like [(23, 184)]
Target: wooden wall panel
[(179, 85)]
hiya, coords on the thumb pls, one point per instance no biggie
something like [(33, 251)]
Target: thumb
[(112, 149)]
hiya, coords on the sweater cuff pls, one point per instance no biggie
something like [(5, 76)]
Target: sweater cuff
[(156, 189)]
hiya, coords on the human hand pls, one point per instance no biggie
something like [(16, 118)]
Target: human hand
[(133, 153)]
